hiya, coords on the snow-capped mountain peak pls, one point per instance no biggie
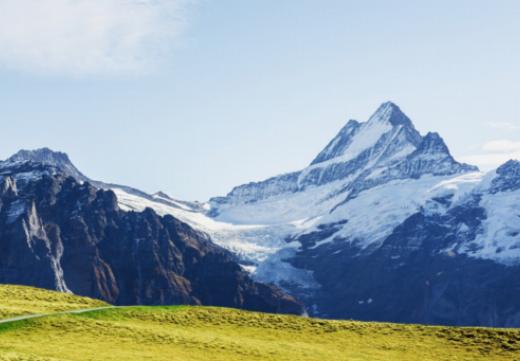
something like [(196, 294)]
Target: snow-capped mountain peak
[(507, 177), (379, 194), (390, 113), (433, 142), (363, 155), (355, 137), (434, 150), (42, 155), (48, 157)]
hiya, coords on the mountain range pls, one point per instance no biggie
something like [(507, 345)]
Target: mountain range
[(383, 225), (60, 231)]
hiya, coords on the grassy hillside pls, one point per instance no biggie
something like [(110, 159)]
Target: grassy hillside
[(201, 334), (18, 300)]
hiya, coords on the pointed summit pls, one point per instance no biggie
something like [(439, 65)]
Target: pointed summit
[(391, 113), (433, 143), (356, 137), (434, 150)]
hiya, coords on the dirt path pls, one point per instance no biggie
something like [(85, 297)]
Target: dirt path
[(41, 315)]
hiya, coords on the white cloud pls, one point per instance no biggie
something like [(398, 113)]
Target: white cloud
[(81, 37), (504, 125), (494, 153), (501, 146)]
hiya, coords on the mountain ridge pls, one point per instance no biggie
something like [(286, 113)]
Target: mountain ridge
[(59, 233), (388, 140), (441, 239)]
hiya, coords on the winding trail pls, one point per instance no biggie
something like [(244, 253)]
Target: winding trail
[(42, 315)]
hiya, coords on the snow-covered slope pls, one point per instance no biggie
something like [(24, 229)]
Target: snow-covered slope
[(387, 147), (368, 180), (372, 179), (385, 155), (499, 236), (380, 207)]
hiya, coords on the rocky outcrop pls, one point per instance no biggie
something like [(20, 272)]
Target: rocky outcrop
[(57, 233), (48, 157), (508, 177)]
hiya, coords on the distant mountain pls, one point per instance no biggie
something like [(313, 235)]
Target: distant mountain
[(58, 231), (363, 155), (383, 225), (58, 160)]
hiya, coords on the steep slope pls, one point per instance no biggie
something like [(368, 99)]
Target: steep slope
[(386, 225), (455, 261), (384, 151), (60, 234)]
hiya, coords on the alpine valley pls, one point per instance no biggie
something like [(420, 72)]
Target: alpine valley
[(383, 225)]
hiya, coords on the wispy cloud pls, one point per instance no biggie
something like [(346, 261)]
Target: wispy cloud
[(504, 125), (78, 37), (494, 153), (502, 146)]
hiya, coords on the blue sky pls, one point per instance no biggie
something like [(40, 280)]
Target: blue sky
[(195, 97)]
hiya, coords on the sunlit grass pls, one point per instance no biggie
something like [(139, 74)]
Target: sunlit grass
[(203, 333), (18, 300)]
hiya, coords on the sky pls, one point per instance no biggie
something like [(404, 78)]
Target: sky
[(194, 97)]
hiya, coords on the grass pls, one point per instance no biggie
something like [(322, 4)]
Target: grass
[(203, 333), (20, 300)]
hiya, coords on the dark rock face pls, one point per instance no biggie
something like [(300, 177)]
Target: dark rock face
[(59, 234), (508, 178), (420, 274)]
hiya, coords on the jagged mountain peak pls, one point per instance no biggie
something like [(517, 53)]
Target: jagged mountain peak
[(355, 137), (362, 155), (507, 177), (512, 166), (47, 156), (391, 113), (432, 142), (434, 150)]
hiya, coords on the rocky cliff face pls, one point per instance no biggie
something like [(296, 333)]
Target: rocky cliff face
[(58, 233), (508, 177)]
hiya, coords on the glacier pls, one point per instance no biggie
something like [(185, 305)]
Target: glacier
[(379, 199)]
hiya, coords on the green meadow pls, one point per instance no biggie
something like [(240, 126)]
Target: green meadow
[(204, 333)]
